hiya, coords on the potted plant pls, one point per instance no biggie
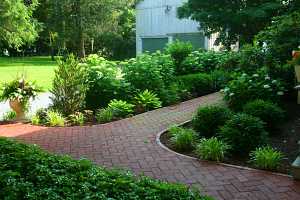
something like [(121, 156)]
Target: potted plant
[(18, 92), (296, 167)]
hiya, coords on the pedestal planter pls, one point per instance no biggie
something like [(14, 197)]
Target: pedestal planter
[(297, 70), (296, 54), (296, 167), (18, 108)]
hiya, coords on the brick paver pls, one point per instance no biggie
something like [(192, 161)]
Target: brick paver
[(131, 144)]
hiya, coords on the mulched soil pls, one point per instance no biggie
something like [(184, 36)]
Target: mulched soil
[(284, 139)]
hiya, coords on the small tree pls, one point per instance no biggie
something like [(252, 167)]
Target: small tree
[(69, 86)]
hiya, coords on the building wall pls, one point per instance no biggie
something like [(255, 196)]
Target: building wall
[(158, 19)]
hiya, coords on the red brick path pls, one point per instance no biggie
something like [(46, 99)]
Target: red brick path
[(130, 144)]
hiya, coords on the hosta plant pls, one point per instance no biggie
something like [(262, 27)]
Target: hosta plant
[(146, 101), (121, 108)]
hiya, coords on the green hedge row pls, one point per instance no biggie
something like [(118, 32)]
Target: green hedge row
[(26, 172)]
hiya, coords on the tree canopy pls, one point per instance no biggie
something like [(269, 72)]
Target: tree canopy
[(17, 26), (234, 20)]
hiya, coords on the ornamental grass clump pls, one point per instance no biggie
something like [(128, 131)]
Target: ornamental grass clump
[(266, 158), (182, 139), (212, 149)]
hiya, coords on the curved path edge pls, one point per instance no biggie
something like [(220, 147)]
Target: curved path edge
[(131, 144)]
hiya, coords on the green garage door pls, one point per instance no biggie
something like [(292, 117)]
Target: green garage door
[(154, 44), (197, 39)]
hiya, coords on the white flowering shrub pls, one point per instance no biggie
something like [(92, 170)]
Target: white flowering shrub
[(251, 87)]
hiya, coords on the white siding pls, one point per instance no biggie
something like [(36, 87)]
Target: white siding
[(153, 21)]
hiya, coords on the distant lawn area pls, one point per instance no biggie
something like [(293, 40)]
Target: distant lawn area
[(39, 69)]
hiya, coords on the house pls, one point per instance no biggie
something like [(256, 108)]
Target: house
[(157, 24)]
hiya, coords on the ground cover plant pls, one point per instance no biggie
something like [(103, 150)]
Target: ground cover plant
[(27, 172)]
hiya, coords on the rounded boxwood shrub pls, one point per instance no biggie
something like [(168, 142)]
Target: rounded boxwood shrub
[(267, 111), (197, 84), (244, 133), (30, 173), (208, 120)]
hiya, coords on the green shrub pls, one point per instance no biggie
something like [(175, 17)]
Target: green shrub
[(121, 108), (35, 120), (244, 133), (146, 101), (69, 86), (10, 115), (220, 79), (208, 120), (154, 72), (88, 115), (212, 149), (266, 158), (285, 73), (202, 61), (197, 84), (182, 138), (55, 118), (179, 51), (77, 118), (41, 115), (247, 88), (267, 111), (104, 115), (30, 173), (105, 82)]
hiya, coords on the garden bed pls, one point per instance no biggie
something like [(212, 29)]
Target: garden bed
[(285, 139)]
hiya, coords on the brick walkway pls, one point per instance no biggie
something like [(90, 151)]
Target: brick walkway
[(131, 144)]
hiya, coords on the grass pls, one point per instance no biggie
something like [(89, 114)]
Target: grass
[(39, 69)]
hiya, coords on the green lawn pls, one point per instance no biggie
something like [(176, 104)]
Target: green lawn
[(39, 69)]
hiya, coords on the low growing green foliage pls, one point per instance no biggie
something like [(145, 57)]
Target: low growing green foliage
[(10, 115), (208, 120), (146, 101), (182, 139), (212, 149), (55, 118), (26, 172), (77, 118), (244, 133), (104, 115), (35, 120), (121, 108), (267, 111), (266, 158)]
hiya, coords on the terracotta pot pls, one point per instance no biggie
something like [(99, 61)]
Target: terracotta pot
[(296, 54), (18, 108)]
